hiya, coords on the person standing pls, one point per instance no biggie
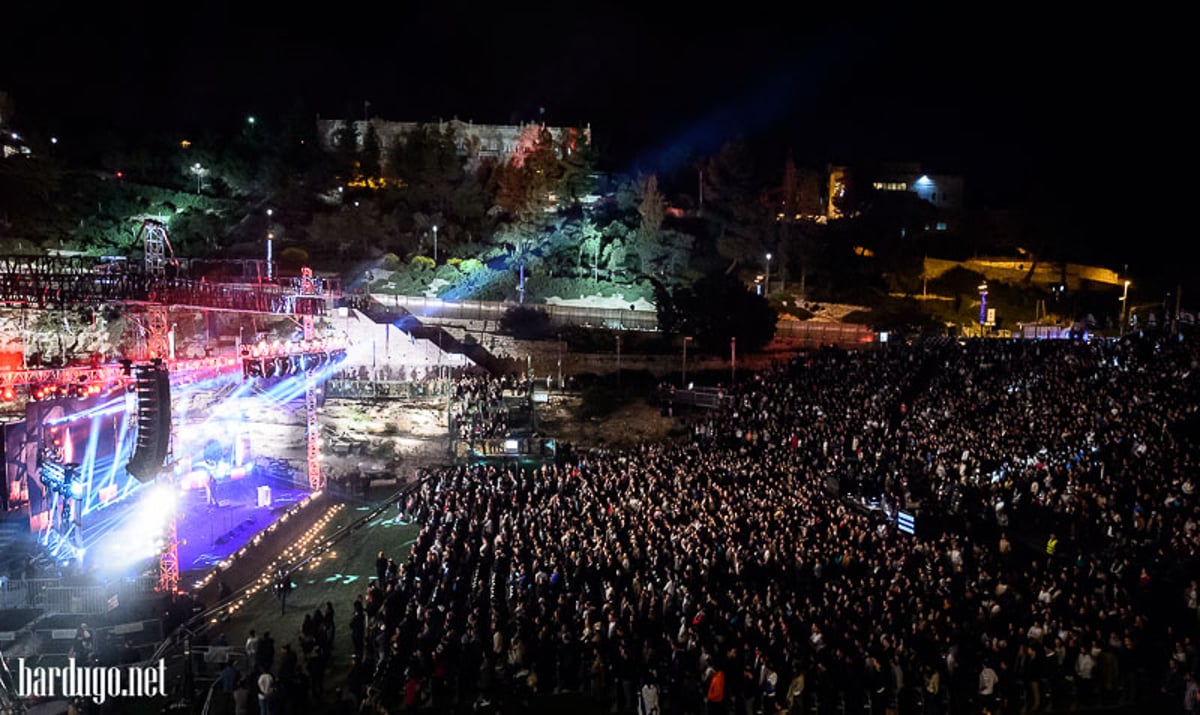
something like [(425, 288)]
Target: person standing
[(242, 697), (210, 490), (283, 584), (251, 651), (358, 629), (266, 693), (987, 684)]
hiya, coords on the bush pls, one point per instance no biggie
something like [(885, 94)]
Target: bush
[(390, 262), (422, 263), (526, 323)]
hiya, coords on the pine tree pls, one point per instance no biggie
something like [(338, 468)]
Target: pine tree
[(369, 161)]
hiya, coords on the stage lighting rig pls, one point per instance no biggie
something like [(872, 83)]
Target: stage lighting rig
[(59, 478), (279, 359)]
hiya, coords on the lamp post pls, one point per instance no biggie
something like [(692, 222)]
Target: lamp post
[(270, 246), (560, 347), (618, 359), (435, 244), (733, 361), (686, 339), (1124, 308), (197, 169), (982, 307), (767, 289)]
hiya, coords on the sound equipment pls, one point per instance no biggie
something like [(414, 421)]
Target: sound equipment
[(152, 384)]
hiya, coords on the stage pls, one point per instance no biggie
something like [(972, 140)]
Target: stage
[(210, 534)]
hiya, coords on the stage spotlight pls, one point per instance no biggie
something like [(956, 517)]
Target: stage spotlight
[(283, 366), (9, 394), (268, 368)]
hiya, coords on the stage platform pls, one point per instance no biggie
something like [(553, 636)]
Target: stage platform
[(209, 534)]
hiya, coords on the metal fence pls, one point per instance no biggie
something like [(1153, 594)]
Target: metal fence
[(807, 332), (52, 596), (814, 333), (386, 389), (617, 318)]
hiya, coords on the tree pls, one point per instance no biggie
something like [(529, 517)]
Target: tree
[(545, 170), (511, 188), (717, 308), (370, 152), (808, 194), (589, 242), (525, 323), (345, 149), (578, 167), (428, 165), (669, 315), (652, 207), (615, 254)]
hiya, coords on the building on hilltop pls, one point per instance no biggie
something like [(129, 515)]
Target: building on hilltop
[(476, 142), (11, 142), (943, 191)]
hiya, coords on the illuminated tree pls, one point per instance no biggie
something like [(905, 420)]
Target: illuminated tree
[(615, 254), (578, 167)]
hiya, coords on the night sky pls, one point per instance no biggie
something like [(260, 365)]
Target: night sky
[(1034, 110)]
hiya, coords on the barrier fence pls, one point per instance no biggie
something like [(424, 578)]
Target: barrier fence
[(805, 331), (52, 596), (386, 389)]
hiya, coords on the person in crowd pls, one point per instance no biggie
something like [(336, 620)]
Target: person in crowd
[(763, 548)]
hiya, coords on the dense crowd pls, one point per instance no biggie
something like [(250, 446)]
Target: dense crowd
[(477, 406), (758, 568), (751, 571)]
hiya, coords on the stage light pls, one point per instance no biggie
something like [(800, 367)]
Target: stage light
[(9, 394), (268, 368)]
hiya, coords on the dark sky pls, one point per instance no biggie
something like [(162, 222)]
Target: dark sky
[(1032, 108)]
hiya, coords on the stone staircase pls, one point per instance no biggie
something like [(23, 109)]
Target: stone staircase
[(403, 320)]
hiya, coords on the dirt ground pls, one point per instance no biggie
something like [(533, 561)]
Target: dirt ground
[(628, 426)]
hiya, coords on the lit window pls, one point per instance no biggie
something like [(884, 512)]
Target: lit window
[(941, 225)]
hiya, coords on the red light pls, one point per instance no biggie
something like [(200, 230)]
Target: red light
[(9, 394), (120, 175)]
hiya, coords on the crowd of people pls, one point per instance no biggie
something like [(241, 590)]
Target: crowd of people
[(757, 568), (477, 408)]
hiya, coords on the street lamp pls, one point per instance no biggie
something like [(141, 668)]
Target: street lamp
[(270, 241), (435, 244), (686, 339), (250, 120), (767, 289), (197, 169), (982, 307), (1124, 307)]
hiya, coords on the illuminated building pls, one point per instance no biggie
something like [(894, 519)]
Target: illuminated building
[(476, 142), (943, 191)]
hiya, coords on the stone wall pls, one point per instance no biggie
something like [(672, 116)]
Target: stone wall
[(1013, 270), (476, 142)]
